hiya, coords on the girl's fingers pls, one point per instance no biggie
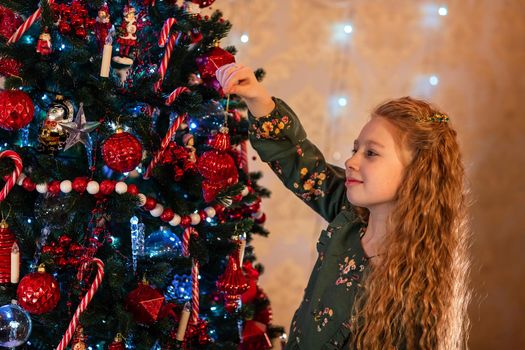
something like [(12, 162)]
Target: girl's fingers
[(222, 72)]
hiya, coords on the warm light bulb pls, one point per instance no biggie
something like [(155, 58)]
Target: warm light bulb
[(433, 80), (443, 11), (245, 38)]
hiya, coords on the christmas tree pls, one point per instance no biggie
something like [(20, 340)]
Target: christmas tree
[(127, 205)]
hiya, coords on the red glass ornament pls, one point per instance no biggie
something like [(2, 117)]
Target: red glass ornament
[(133, 189), (9, 22), (144, 302), (38, 292), (7, 240), (252, 276), (107, 187), (232, 282), (9, 66), (261, 220), (203, 3), (122, 151), (28, 184), (212, 60), (16, 109), (254, 336), (167, 215), (80, 184), (216, 166), (150, 203)]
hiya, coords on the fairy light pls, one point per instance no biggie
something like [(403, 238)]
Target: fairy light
[(433, 80), (245, 38), (443, 11), (348, 29)]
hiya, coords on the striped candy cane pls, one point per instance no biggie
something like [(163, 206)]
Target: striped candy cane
[(169, 42), (194, 317), (84, 303), (244, 156), (11, 180), (169, 135), (27, 24)]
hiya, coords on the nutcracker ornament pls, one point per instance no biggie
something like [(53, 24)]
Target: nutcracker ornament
[(9, 255), (102, 26), (127, 38), (52, 135), (43, 45)]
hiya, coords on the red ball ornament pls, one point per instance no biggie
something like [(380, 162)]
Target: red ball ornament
[(38, 292), (80, 184), (9, 22), (133, 189), (122, 151), (145, 303), (212, 60), (7, 244), (16, 109), (203, 3), (185, 221), (107, 187), (9, 67)]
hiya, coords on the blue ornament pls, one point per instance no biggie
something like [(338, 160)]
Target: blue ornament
[(162, 243), (180, 289), (15, 325)]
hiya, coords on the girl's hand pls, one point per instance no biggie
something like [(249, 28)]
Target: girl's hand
[(240, 80)]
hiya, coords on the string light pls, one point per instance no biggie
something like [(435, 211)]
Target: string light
[(342, 101), (443, 11), (348, 29), (433, 80), (245, 38)]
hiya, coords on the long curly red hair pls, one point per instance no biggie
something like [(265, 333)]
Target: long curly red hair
[(416, 297)]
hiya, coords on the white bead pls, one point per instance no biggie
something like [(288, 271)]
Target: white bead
[(92, 187), (20, 179), (195, 218), (66, 186), (175, 221), (258, 215), (210, 211), (121, 187), (245, 191), (41, 188), (157, 211), (142, 199)]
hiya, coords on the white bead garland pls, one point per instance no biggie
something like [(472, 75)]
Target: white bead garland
[(41, 188), (195, 218), (20, 179), (210, 211), (175, 221), (142, 199), (92, 187), (157, 211), (121, 187), (66, 186)]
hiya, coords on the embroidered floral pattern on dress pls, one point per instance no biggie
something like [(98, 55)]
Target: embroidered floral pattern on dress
[(323, 317), (310, 186), (270, 127), (347, 273)]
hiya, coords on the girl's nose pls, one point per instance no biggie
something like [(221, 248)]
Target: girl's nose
[(352, 163)]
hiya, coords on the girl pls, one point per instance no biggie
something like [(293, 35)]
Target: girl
[(392, 265)]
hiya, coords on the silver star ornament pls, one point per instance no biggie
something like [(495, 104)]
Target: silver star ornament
[(79, 130)]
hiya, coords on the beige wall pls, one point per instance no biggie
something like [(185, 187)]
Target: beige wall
[(478, 53)]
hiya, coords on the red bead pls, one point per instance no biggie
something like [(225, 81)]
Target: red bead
[(185, 221), (28, 184), (150, 204), (107, 187), (237, 198), (133, 189), (203, 215), (167, 215), (219, 208), (54, 187), (16, 109), (80, 184)]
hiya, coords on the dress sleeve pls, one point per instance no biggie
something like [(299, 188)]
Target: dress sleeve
[(280, 141)]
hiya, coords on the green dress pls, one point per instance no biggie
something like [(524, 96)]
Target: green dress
[(322, 321)]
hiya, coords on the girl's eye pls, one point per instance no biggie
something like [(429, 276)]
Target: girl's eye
[(353, 151), (370, 153)]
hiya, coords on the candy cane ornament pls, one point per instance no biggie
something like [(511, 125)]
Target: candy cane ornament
[(11, 180), (188, 232), (27, 24), (84, 303), (171, 131), (168, 41)]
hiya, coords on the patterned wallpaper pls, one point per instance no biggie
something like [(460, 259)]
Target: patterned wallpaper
[(478, 53)]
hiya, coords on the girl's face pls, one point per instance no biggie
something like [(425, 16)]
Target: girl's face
[(375, 171)]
